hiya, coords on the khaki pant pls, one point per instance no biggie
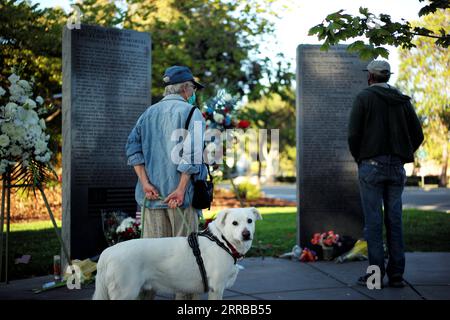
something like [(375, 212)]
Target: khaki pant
[(159, 223)]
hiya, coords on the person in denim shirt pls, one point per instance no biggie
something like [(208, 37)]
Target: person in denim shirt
[(163, 162), (383, 134)]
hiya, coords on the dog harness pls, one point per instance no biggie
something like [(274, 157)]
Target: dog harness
[(230, 249), (193, 243)]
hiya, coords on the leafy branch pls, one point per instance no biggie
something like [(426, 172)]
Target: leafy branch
[(380, 30)]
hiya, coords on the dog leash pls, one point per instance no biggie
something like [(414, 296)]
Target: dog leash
[(183, 218)]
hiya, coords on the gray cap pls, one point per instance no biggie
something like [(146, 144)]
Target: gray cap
[(379, 67)]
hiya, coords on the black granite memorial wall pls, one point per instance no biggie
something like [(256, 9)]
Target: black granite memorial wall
[(106, 86), (327, 183)]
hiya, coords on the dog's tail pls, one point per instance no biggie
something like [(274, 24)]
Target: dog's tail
[(101, 289)]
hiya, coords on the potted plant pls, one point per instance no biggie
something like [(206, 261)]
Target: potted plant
[(326, 240)]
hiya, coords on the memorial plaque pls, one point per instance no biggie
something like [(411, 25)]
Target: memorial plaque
[(327, 178), (106, 87)]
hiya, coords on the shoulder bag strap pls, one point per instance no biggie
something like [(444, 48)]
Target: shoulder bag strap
[(186, 126)]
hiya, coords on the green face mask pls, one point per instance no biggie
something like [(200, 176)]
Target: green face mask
[(191, 99)]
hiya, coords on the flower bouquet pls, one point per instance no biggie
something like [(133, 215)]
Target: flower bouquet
[(111, 220), (220, 112), (326, 240), (24, 150), (128, 229)]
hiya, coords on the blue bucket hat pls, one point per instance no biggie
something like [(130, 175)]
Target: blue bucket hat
[(178, 74)]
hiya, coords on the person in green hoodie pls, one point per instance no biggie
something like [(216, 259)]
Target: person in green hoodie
[(383, 134)]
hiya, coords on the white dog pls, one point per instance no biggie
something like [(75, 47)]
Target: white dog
[(168, 265)]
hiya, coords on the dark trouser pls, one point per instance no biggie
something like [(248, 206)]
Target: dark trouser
[(381, 181)]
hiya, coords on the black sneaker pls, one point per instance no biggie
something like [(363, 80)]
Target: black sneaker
[(362, 281), (396, 282)]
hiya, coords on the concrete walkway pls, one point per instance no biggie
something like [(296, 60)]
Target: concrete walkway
[(428, 275)]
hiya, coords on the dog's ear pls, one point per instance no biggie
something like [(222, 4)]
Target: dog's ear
[(221, 216), (256, 213)]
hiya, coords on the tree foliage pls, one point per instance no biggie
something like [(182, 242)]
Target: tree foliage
[(30, 42), (218, 39), (425, 75), (379, 30), (276, 111)]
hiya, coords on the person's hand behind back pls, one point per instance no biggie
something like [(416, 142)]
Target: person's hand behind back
[(175, 199), (150, 191)]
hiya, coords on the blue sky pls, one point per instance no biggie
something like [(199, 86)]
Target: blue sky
[(294, 23)]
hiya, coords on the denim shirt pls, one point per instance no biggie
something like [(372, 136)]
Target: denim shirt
[(156, 143)]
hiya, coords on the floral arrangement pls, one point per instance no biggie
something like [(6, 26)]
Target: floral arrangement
[(116, 225), (23, 139), (326, 239), (220, 112), (128, 229)]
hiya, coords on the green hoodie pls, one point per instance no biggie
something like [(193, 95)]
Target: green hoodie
[(383, 122)]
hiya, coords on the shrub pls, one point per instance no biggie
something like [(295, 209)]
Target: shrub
[(248, 191)]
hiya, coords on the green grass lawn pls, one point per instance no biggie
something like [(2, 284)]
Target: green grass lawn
[(275, 234), (426, 230), (37, 239)]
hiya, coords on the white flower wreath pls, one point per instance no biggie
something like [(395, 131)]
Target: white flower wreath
[(23, 139)]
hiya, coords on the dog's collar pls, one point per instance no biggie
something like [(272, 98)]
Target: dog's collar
[(229, 248), (236, 255)]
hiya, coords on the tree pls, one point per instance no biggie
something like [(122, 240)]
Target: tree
[(380, 30), (105, 13), (275, 111), (425, 74), (30, 41), (218, 39)]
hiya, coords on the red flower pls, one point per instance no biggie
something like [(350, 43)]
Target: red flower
[(325, 239), (243, 124), (316, 239)]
